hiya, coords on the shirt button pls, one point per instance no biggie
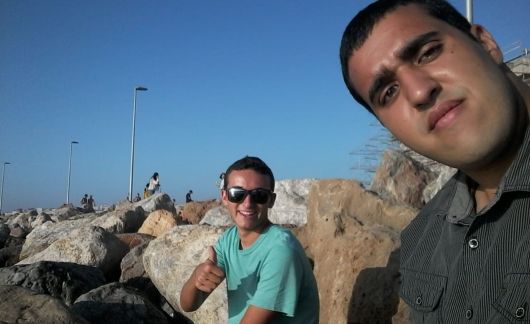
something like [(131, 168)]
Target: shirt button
[(419, 300), (473, 243), (469, 314), (519, 313)]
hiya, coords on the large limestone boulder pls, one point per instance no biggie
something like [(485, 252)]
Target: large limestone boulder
[(290, 207), (132, 265), (66, 281), (401, 179), (42, 236), (194, 211), (169, 261), (117, 304), (121, 221), (157, 201), (158, 222), (91, 245), (64, 212), (22, 305), (352, 235), (217, 216)]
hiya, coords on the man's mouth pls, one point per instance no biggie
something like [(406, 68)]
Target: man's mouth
[(443, 114)]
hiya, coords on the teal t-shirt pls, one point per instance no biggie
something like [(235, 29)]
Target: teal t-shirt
[(273, 273)]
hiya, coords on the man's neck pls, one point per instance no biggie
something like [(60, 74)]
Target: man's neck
[(248, 237), (489, 178)]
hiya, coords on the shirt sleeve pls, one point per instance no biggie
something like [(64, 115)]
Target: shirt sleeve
[(279, 282)]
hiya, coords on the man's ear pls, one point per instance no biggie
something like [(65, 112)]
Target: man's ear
[(224, 197), (487, 41), (273, 199)]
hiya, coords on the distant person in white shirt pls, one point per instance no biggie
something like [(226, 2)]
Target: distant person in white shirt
[(154, 184)]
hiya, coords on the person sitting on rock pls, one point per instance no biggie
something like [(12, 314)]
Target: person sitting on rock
[(137, 198), (90, 204), (268, 275), (84, 201), (154, 184), (188, 196)]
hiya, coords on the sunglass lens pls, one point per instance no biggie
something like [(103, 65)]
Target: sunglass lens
[(236, 195), (259, 196)]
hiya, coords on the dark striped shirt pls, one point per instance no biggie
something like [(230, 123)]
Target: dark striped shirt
[(462, 267)]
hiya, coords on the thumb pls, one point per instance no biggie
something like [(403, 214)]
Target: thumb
[(212, 256)]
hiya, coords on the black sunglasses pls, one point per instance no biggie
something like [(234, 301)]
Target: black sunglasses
[(257, 196)]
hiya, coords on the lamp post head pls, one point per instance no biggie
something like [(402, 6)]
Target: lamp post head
[(74, 142), (5, 163), (139, 88)]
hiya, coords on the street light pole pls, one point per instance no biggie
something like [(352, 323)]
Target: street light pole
[(131, 173), (69, 173), (469, 11), (2, 187)]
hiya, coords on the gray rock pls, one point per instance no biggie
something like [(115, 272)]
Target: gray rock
[(117, 304), (290, 207), (132, 264), (169, 261), (217, 216), (91, 245), (121, 221), (63, 280), (44, 235), (22, 305)]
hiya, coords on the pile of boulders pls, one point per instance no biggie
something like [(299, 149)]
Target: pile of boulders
[(128, 263)]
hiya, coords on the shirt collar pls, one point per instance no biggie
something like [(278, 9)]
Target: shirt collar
[(516, 179)]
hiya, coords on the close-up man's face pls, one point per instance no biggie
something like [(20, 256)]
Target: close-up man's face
[(436, 89), (251, 211)]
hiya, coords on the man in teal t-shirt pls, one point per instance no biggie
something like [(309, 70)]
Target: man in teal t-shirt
[(269, 278)]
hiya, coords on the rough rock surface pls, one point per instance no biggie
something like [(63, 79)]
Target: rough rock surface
[(134, 239), (9, 254), (401, 179), (158, 222), (194, 211), (169, 261), (217, 216), (21, 305), (290, 207), (66, 281), (353, 238), (42, 236), (4, 234), (92, 246), (117, 304), (64, 212), (157, 201), (132, 265), (121, 221)]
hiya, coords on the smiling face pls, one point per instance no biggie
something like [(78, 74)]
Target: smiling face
[(248, 216), (437, 90)]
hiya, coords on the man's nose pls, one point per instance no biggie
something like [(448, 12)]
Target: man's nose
[(419, 86)]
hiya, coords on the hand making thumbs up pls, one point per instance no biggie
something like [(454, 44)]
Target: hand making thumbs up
[(207, 275)]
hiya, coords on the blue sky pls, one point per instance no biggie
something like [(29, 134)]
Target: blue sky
[(225, 78)]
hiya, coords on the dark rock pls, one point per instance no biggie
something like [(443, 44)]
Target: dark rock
[(9, 254), (21, 305), (63, 280), (118, 304)]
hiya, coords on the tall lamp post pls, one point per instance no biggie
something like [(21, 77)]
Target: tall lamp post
[(469, 11), (69, 173), (131, 174), (2, 187)]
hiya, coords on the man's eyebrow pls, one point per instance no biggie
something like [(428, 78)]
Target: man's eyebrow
[(406, 53), (413, 46)]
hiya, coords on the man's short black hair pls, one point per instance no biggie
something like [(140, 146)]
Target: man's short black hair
[(361, 26), (252, 163)]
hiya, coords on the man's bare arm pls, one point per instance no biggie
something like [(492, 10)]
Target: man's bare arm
[(204, 279), (256, 315)]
